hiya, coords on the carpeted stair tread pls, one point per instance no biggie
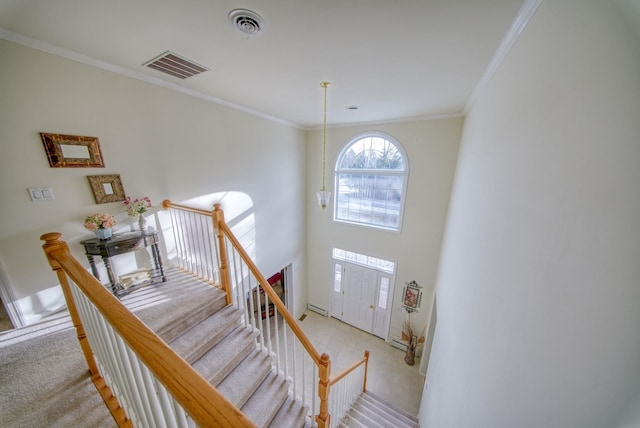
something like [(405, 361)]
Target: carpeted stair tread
[(291, 415), (370, 410), (380, 418), (266, 401), (374, 401), (188, 309), (225, 356), (243, 381), (354, 420), (198, 340)]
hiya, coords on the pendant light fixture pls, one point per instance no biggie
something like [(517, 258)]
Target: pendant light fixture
[(323, 194)]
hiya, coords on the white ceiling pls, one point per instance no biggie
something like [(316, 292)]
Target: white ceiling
[(394, 59)]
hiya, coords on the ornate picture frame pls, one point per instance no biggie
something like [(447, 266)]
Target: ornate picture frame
[(107, 188), (72, 151), (411, 296)]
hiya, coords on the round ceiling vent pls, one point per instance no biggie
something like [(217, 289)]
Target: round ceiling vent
[(246, 21)]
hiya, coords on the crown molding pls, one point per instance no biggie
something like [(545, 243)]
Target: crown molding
[(84, 59), (524, 15)]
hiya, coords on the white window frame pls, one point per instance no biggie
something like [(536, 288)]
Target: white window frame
[(378, 172)]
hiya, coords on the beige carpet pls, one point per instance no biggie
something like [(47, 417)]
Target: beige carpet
[(44, 382)]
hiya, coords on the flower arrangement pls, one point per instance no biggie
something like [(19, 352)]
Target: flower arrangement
[(99, 221), (409, 335), (137, 206)]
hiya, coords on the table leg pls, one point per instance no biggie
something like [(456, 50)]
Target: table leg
[(157, 259), (115, 285), (94, 268)]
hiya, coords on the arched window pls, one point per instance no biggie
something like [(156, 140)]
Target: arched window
[(371, 177)]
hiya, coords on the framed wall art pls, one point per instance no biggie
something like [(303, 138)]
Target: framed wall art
[(107, 188), (72, 151), (411, 296)]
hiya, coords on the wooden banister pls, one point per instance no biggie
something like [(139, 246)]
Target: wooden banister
[(323, 419), (273, 297), (166, 204), (225, 278), (200, 400), (364, 360), (322, 362)]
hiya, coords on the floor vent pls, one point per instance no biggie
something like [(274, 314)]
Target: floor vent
[(175, 65), (317, 309), (302, 317)]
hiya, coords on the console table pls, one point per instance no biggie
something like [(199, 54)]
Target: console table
[(122, 243)]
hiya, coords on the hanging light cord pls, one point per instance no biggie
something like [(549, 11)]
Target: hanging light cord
[(324, 135)]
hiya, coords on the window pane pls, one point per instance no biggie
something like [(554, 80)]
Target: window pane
[(364, 260), (383, 296), (372, 153), (370, 181), (371, 198), (337, 278)]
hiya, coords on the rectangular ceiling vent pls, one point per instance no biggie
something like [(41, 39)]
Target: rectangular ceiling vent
[(175, 65)]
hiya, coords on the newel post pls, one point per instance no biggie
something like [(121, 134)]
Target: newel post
[(324, 371), (52, 244), (225, 278), (366, 370)]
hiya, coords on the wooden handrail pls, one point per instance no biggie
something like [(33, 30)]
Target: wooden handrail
[(166, 204), (221, 226), (322, 361), (200, 399), (286, 315), (352, 367)]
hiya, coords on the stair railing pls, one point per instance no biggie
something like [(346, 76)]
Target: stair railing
[(347, 386), (229, 266), (278, 333), (141, 379)]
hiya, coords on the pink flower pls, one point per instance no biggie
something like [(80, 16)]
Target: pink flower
[(137, 206), (99, 221)]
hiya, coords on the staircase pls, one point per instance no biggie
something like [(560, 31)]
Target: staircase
[(208, 334), (370, 411), (195, 321)]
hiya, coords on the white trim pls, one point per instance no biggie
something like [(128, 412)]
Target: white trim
[(317, 309), (526, 12), (391, 121), (84, 59), (8, 299)]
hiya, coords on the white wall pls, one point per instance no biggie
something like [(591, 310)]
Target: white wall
[(538, 289), (163, 144), (432, 148)]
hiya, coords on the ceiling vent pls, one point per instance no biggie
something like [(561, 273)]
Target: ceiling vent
[(175, 65), (246, 21)]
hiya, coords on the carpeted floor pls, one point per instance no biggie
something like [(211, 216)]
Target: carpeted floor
[(44, 381)]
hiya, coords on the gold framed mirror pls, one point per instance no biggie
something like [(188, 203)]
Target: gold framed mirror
[(107, 188), (72, 151)]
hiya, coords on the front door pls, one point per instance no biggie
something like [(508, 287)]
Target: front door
[(362, 296), (359, 296)]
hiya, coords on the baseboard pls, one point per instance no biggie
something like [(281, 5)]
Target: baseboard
[(317, 309), (398, 344)]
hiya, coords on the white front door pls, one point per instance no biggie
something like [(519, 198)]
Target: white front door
[(362, 295), (359, 296)]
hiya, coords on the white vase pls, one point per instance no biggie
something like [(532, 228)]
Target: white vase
[(142, 223), (104, 234)]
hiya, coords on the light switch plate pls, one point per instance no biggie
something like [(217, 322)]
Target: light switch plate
[(41, 194)]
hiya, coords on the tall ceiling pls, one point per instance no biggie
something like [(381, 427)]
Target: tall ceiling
[(394, 60)]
